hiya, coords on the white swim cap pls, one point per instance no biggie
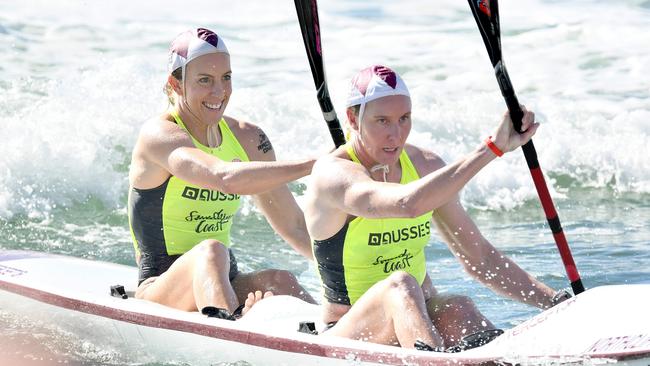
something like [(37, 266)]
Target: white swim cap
[(191, 44), (373, 83)]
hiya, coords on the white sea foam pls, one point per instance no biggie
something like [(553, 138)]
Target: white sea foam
[(77, 84), (79, 78)]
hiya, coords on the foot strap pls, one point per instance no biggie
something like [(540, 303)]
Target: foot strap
[(238, 312), (421, 346), (474, 340), (307, 327), (118, 291), (219, 313)]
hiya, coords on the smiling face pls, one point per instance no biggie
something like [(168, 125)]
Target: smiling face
[(386, 124), (207, 87)]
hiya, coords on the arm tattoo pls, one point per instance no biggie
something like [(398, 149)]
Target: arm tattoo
[(265, 144)]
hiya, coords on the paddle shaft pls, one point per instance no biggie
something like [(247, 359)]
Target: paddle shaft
[(486, 14), (308, 18)]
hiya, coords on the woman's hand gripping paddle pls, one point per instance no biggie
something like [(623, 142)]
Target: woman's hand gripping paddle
[(486, 14)]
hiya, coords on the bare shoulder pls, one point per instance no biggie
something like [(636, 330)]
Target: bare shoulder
[(252, 138), (326, 163), (158, 138), (335, 161), (336, 168), (331, 176), (425, 161), (163, 130)]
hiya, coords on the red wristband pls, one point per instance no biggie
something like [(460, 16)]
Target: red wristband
[(495, 149)]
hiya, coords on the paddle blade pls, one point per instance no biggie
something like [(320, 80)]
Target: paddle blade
[(309, 25), (486, 14)]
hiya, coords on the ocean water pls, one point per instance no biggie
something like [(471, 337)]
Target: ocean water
[(80, 77)]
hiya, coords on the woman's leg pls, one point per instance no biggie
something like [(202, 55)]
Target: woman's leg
[(391, 312), (197, 279), (456, 316)]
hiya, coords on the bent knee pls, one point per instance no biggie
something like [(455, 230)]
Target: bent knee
[(213, 251), (402, 281), (212, 247)]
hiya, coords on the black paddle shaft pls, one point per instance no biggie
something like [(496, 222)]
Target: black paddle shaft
[(486, 14), (308, 18)]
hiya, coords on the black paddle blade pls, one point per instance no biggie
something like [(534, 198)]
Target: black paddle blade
[(486, 14), (310, 27), (308, 18)]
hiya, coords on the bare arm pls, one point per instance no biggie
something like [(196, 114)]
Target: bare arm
[(484, 262), (287, 219), (365, 197), (164, 144), (278, 205)]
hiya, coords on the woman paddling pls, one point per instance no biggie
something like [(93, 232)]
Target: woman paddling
[(188, 169), (369, 210)]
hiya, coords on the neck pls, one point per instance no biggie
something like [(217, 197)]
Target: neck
[(378, 171), (207, 134)]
